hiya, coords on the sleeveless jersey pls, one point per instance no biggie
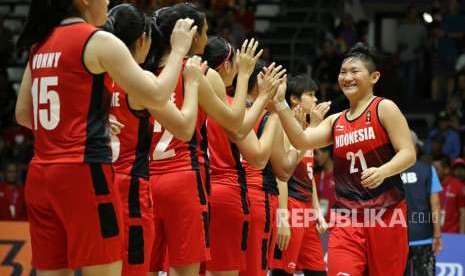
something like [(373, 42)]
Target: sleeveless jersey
[(69, 104), (359, 144), (300, 184), (131, 147), (225, 161), (261, 179), (169, 154)]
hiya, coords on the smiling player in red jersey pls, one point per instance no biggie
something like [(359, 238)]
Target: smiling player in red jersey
[(372, 145)]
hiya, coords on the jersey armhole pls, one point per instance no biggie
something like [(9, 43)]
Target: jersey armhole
[(84, 50), (378, 118)]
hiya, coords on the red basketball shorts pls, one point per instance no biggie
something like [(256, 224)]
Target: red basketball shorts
[(136, 198), (376, 246), (305, 251), (74, 215), (229, 227), (181, 219)]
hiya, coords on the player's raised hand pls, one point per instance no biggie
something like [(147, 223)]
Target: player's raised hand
[(193, 70), (246, 57), (181, 37), (269, 80), (301, 116), (281, 91), (319, 112)]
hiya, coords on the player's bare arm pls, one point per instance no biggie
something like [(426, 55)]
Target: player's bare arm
[(399, 134), (24, 101)]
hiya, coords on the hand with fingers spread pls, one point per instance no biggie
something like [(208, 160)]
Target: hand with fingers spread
[(269, 80), (193, 70), (318, 113), (373, 177), (181, 37), (246, 57)]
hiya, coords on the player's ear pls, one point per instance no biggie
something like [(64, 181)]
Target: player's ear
[(374, 77)]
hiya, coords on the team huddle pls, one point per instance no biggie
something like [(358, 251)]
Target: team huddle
[(158, 148)]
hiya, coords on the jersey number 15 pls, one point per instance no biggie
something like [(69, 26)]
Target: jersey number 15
[(42, 95)]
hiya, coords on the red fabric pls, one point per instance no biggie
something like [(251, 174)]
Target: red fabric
[(144, 221), (305, 251), (262, 210), (228, 229), (169, 154), (132, 145), (326, 190), (380, 251), (181, 220), (70, 108), (68, 225), (359, 144), (452, 198)]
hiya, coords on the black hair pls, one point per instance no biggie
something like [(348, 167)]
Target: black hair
[(253, 78), (217, 50), (163, 22), (128, 23), (297, 85), (42, 18), (368, 55), (444, 160)]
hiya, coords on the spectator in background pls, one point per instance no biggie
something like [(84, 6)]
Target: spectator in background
[(346, 34), (411, 38), (452, 197), (326, 70), (324, 179), (246, 16), (422, 186), (449, 41), (452, 145), (6, 46), (12, 202)]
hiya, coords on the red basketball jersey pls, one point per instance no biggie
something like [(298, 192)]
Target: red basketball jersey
[(169, 154), (69, 104), (300, 184), (359, 144), (131, 147), (224, 156), (261, 179)]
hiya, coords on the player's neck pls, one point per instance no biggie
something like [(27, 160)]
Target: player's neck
[(357, 107)]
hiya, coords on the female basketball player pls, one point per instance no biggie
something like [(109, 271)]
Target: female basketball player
[(72, 206), (177, 169), (131, 147), (372, 145), (229, 217), (303, 251)]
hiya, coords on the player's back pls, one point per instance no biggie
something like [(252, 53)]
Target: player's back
[(130, 147), (300, 183), (70, 105), (169, 154)]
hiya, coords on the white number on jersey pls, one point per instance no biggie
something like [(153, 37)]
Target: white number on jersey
[(42, 94), (352, 157), (160, 151)]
